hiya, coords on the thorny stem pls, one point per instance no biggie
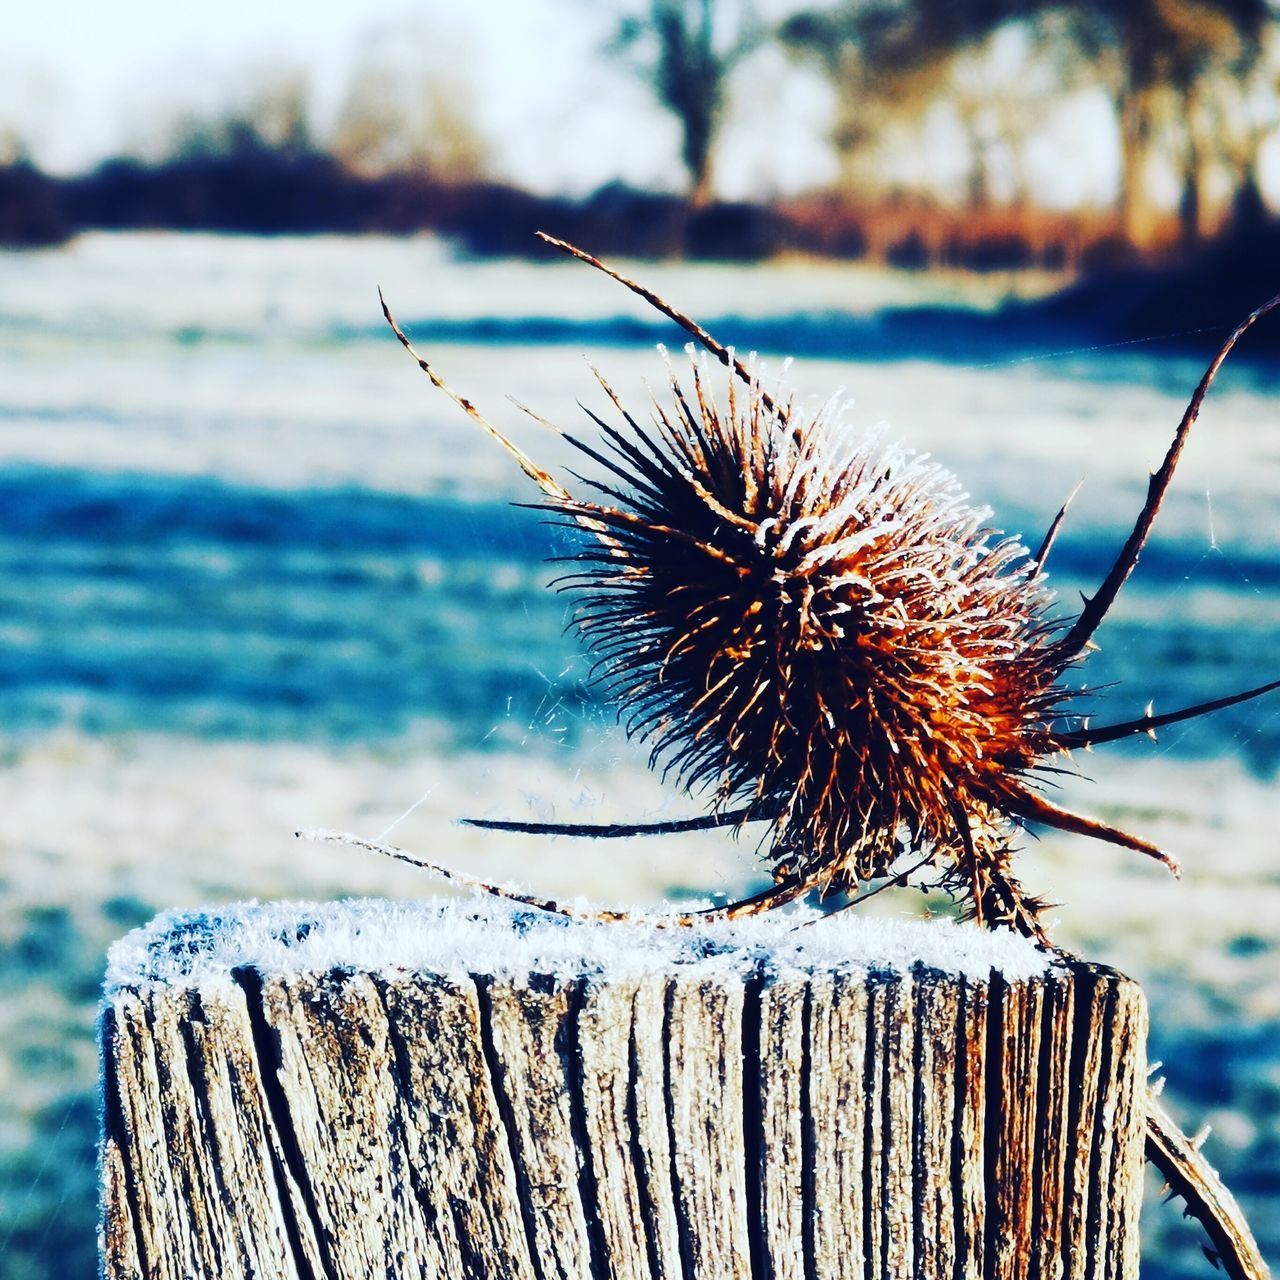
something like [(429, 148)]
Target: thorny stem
[(1150, 723), (460, 878), (965, 833), (896, 881), (543, 479), (1096, 609), (1191, 1177)]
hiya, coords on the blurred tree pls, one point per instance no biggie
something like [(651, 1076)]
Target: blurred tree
[(270, 117), (886, 60), (1168, 64), (1001, 94), (13, 145), (1246, 117), (1171, 67), (31, 99), (686, 50), (997, 90), (408, 110), (275, 118)]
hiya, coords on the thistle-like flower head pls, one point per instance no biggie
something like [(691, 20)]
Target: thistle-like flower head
[(815, 624), (822, 631)]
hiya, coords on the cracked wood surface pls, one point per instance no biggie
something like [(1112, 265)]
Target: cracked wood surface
[(802, 1126)]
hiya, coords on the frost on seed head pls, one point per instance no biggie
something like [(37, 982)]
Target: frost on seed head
[(803, 618)]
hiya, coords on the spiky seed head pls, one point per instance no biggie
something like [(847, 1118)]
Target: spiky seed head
[(800, 617), (829, 631)]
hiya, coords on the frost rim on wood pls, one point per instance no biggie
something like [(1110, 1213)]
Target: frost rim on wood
[(200, 949), (454, 1088)]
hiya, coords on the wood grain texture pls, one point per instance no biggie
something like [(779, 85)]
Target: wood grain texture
[(779, 1131), (938, 1087), (823, 1125), (837, 1090), (705, 1111)]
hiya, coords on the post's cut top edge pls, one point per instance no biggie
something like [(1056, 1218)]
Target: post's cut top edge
[(471, 936)]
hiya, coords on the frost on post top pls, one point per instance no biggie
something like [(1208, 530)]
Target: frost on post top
[(199, 949)]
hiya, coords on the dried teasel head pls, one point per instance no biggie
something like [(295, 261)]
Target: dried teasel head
[(822, 633), (817, 627)]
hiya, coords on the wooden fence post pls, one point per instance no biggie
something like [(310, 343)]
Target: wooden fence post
[(456, 1089)]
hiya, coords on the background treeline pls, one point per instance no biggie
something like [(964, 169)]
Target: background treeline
[(1191, 87)]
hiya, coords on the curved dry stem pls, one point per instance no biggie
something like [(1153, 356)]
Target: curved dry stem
[(441, 872), (687, 323), (777, 895), (1097, 608), (899, 880), (543, 479), (618, 830), (1190, 1176), (1150, 723), (965, 832)]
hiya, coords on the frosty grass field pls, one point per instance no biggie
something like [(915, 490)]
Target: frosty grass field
[(255, 575)]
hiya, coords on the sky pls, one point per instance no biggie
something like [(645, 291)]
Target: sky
[(82, 80)]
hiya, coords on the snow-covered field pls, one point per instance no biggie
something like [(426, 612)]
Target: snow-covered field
[(255, 576)]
